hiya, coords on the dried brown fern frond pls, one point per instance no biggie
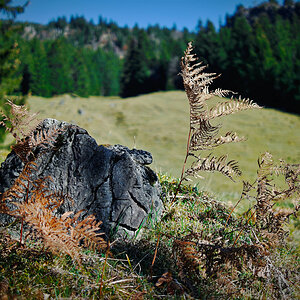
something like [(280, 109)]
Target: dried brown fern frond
[(39, 137), (203, 135), (36, 204), (61, 234), (20, 121), (86, 231), (27, 131), (43, 137), (268, 193), (206, 258), (269, 219), (187, 254), (230, 107), (19, 191), (212, 164), (265, 191)]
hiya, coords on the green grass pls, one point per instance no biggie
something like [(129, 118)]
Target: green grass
[(31, 272), (159, 123)]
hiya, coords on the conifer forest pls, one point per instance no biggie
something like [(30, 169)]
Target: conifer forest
[(257, 51)]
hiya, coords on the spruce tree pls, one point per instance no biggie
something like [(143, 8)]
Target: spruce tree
[(134, 70), (39, 70), (60, 58), (9, 55), (80, 74)]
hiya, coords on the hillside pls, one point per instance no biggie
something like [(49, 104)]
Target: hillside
[(159, 122)]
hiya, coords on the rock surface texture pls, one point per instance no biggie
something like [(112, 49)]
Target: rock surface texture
[(113, 183)]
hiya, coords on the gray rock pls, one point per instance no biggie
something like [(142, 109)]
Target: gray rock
[(113, 183)]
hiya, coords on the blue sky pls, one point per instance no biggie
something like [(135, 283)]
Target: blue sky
[(183, 13)]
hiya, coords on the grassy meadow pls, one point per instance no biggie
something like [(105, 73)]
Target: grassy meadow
[(159, 123), (170, 258)]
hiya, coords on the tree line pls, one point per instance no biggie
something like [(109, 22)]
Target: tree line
[(56, 67), (257, 51), (107, 61)]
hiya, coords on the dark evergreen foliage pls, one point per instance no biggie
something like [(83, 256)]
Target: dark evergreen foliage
[(9, 55), (134, 74), (256, 51)]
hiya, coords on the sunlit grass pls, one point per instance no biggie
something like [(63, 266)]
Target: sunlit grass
[(159, 123)]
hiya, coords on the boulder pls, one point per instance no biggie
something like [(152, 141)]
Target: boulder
[(112, 182)]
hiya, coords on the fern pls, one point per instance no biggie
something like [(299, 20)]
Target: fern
[(19, 122), (27, 131), (36, 205), (225, 249), (203, 135), (269, 220), (34, 202)]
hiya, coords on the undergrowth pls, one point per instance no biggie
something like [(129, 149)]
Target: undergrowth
[(188, 254)]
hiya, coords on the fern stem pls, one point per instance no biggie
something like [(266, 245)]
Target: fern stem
[(184, 164), (239, 234), (232, 211), (238, 202), (21, 232)]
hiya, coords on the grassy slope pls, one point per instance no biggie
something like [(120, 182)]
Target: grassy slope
[(159, 123)]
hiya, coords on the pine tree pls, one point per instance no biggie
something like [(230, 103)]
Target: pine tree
[(241, 56), (9, 50), (99, 64), (9, 55), (60, 57), (111, 78), (287, 68), (288, 2), (95, 82), (134, 72), (39, 70), (264, 63), (80, 74), (207, 44)]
